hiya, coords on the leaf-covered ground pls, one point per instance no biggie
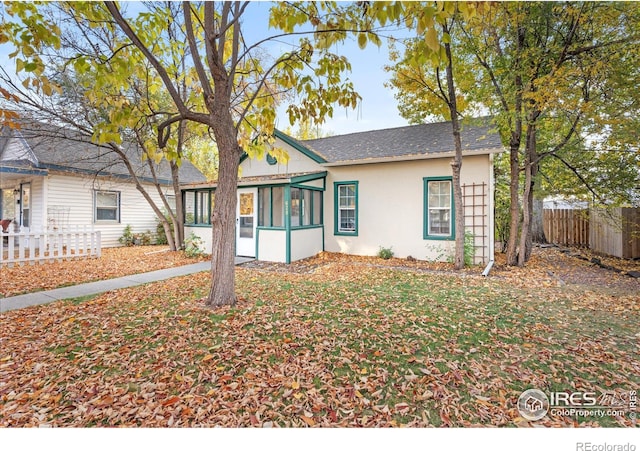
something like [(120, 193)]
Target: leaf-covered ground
[(114, 262), (332, 341)]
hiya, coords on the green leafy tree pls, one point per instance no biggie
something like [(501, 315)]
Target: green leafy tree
[(307, 131), (545, 70), (237, 89), (101, 112), (231, 89), (426, 87), (29, 36)]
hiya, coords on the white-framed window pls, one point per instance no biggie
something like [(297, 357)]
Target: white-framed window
[(439, 208), (346, 208), (107, 206), (171, 200)]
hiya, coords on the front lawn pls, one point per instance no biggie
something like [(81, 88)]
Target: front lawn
[(343, 345)]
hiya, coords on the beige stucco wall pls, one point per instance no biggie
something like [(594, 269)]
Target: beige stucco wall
[(202, 232), (272, 245), (391, 206), (297, 163), (305, 243)]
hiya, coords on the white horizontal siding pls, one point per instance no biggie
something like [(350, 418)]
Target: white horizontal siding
[(37, 204), (76, 193)]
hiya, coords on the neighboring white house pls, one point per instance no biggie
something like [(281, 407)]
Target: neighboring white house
[(50, 179), (359, 192)]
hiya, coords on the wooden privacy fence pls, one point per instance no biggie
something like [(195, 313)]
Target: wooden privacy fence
[(616, 231), (567, 227), (48, 246)]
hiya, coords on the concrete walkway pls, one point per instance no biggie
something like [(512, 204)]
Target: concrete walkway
[(101, 286)]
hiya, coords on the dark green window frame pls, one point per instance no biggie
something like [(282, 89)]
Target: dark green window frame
[(338, 209), (452, 215), (266, 220), (201, 215), (303, 206)]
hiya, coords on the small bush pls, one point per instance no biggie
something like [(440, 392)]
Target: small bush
[(469, 248), (127, 236), (385, 253), (143, 239), (193, 246), (161, 236)]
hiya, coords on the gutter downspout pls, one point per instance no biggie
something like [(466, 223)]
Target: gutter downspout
[(488, 268)]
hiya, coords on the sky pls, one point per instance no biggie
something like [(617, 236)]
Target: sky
[(377, 109)]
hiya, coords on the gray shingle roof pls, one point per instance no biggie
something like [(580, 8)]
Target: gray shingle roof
[(59, 148), (412, 140)]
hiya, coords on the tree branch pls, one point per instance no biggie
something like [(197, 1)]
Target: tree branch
[(582, 179), (564, 141), (128, 31), (235, 46), (207, 92)]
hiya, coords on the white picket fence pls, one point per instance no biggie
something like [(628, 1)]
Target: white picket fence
[(49, 246)]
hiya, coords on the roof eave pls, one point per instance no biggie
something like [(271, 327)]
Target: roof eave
[(312, 154), (60, 169), (22, 170), (427, 156), (284, 180)]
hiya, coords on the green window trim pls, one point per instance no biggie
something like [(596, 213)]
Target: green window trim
[(337, 217), (271, 160), (199, 216), (431, 236)]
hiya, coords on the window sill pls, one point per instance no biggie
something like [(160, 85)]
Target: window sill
[(439, 237), (345, 233)]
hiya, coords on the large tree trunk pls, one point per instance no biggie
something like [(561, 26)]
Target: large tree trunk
[(526, 217), (514, 208), (514, 164), (223, 220), (223, 216), (527, 203), (537, 222)]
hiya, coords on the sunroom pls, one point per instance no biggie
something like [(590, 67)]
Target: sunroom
[(279, 218)]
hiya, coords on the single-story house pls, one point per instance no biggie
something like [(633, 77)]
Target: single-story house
[(360, 192), (51, 178)]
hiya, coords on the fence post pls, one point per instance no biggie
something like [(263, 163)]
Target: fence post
[(98, 243)]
